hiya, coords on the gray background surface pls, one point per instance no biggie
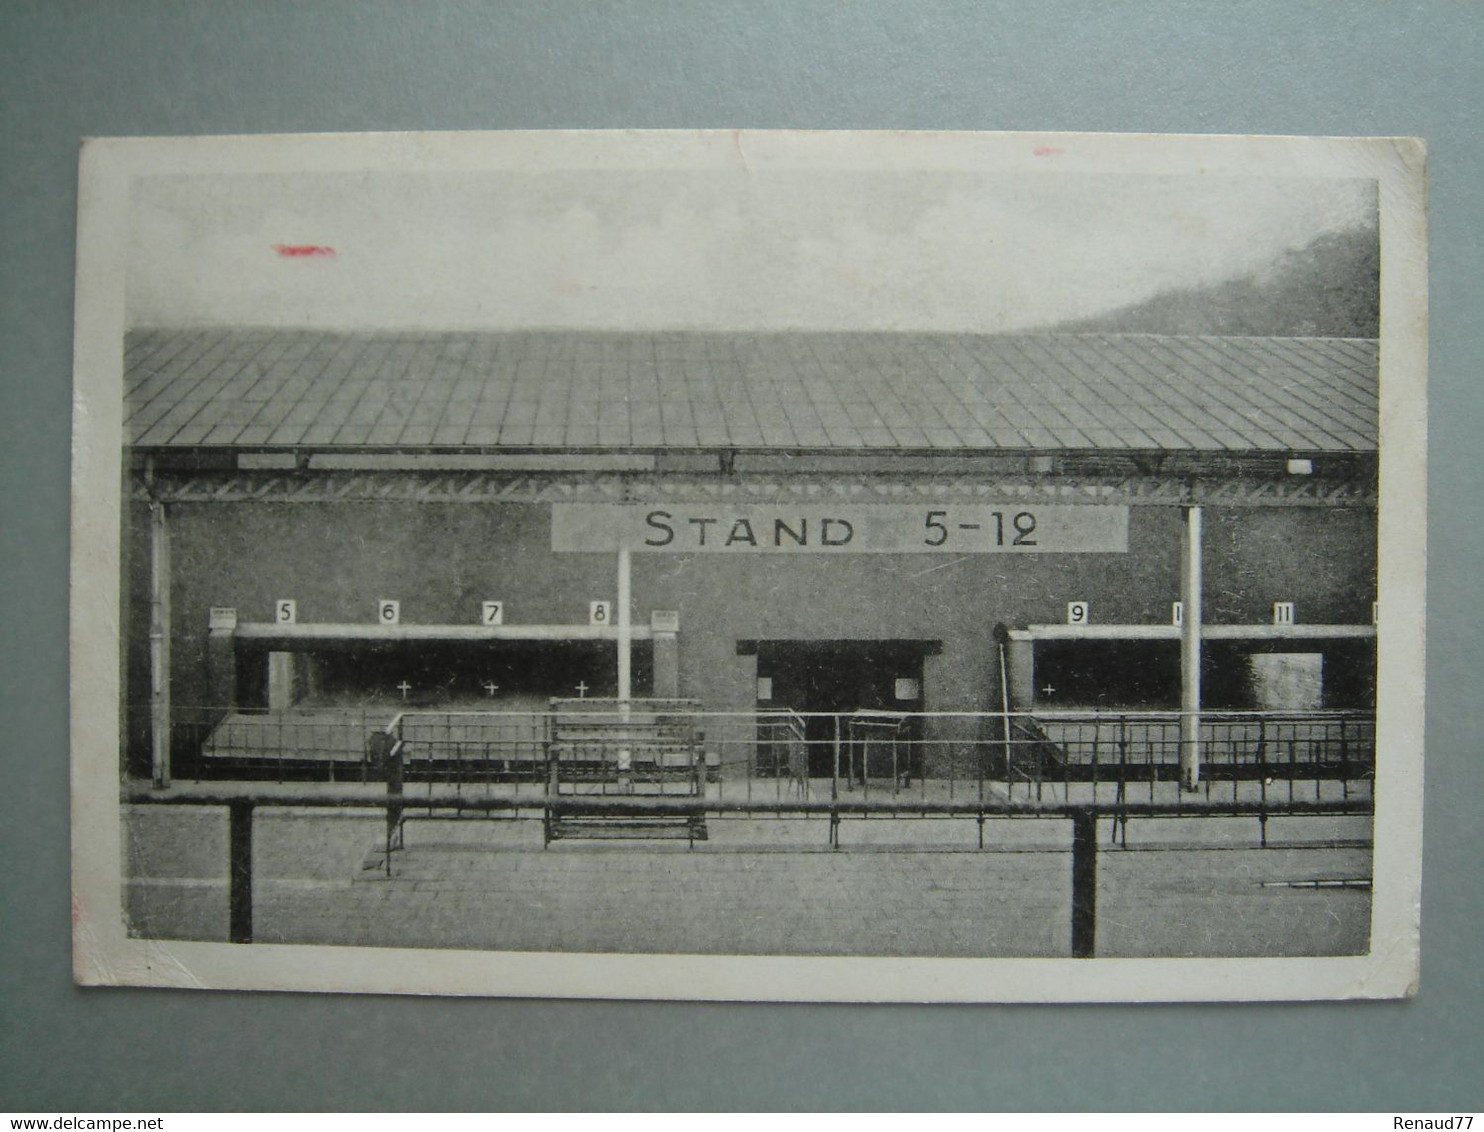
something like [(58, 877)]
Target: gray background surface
[(145, 67)]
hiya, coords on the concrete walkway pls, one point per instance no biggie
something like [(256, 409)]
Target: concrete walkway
[(762, 886)]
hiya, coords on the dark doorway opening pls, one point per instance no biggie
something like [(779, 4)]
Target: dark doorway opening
[(1145, 675), (1108, 675), (859, 686)]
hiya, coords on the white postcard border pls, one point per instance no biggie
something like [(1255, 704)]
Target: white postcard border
[(104, 954)]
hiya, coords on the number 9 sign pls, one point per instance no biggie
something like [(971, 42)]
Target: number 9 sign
[(388, 612), (1077, 613)]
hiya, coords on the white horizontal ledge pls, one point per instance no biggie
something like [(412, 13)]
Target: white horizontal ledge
[(1208, 632), (334, 631)]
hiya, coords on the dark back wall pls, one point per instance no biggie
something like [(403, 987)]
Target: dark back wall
[(441, 560)]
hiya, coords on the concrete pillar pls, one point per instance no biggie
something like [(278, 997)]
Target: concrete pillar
[(666, 666), (1020, 660), (735, 735), (281, 674), (221, 669)]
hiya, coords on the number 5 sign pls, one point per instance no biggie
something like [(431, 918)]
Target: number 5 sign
[(388, 612)]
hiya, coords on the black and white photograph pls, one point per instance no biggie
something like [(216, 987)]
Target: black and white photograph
[(749, 565)]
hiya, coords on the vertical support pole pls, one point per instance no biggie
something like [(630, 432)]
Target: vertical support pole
[(159, 645), (625, 669), (1004, 731), (835, 772), (239, 871), (1084, 882), (625, 633), (1190, 651)]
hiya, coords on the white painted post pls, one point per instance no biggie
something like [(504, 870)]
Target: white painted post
[(282, 671), (625, 632), (625, 666), (159, 646), (1190, 651)]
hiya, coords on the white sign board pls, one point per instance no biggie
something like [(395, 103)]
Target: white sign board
[(869, 528)]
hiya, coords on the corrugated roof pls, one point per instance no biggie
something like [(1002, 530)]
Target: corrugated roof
[(266, 388)]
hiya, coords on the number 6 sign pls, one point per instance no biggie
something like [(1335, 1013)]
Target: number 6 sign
[(388, 612)]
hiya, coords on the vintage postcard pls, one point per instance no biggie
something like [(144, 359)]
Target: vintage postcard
[(750, 565)]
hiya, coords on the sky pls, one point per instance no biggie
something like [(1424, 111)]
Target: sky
[(712, 249)]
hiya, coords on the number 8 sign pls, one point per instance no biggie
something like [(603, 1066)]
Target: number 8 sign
[(599, 612), (388, 612)]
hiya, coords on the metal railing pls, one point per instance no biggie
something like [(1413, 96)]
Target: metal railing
[(901, 759), (782, 746), (562, 766), (241, 805), (213, 742)]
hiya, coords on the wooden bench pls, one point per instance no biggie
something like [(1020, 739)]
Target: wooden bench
[(650, 744), (690, 827)]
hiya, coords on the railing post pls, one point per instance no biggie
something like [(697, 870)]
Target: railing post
[(239, 871), (1262, 781), (395, 776), (1084, 882), (835, 773)]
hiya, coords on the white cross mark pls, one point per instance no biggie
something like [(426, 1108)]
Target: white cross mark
[(406, 687), (581, 689), (1047, 690), (490, 687)]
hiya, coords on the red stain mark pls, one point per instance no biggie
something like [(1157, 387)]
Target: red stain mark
[(296, 251), (1047, 151), (76, 911)]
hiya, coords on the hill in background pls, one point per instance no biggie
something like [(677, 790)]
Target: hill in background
[(1328, 288)]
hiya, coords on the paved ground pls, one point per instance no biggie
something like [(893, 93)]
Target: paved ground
[(896, 887)]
